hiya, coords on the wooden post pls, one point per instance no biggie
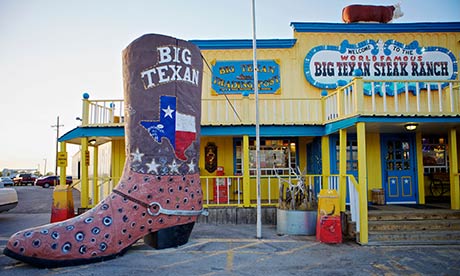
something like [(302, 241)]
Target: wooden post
[(62, 163), (246, 175), (85, 111), (420, 169), (326, 161), (453, 171), (359, 95), (362, 183), (95, 176), (343, 168), (63, 207), (84, 199)]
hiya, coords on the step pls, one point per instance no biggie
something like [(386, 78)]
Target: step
[(440, 214), (414, 225), (413, 238)]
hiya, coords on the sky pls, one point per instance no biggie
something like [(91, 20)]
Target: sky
[(53, 51)]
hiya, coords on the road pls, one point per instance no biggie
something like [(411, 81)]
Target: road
[(234, 250)]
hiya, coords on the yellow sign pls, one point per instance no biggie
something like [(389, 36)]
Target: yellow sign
[(62, 159), (62, 162), (62, 155), (328, 203), (87, 158)]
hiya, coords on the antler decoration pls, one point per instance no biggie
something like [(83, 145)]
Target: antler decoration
[(298, 194)]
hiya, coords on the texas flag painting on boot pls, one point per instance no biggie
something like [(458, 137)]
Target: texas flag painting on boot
[(178, 128)]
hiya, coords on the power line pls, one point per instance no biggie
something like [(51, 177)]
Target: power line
[(228, 100)]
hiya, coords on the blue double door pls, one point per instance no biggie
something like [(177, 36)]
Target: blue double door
[(398, 165)]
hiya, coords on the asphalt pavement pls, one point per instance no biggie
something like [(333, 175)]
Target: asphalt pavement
[(234, 250)]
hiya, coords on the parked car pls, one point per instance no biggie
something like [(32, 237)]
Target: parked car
[(6, 181), (8, 199), (51, 180), (24, 179)]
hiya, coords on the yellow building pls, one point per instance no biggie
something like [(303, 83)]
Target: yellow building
[(357, 107)]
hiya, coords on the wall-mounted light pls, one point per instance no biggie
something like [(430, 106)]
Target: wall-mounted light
[(410, 126), (92, 142)]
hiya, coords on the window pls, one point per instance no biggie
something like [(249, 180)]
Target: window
[(397, 157), (435, 157), (352, 155), (274, 153)]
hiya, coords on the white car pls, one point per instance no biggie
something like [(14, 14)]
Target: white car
[(8, 199), (6, 181)]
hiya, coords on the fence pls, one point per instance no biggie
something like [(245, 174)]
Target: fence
[(103, 112), (359, 97), (393, 98)]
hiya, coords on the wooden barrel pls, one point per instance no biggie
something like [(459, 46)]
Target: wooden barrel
[(378, 197)]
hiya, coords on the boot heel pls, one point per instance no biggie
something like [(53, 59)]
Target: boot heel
[(170, 237)]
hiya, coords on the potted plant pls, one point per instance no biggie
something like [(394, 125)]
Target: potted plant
[(297, 205)]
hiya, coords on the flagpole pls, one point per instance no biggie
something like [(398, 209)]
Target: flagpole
[(256, 94)]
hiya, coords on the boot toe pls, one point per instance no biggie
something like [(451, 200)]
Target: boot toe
[(78, 239)]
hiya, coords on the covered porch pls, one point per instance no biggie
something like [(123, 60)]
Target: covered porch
[(344, 111)]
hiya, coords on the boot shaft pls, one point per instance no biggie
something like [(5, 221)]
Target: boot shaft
[(162, 85)]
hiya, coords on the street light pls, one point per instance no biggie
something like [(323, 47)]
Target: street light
[(44, 169)]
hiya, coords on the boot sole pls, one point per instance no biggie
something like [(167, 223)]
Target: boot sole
[(44, 263), (165, 238)]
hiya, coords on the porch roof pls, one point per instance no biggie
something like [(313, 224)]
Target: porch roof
[(380, 124)]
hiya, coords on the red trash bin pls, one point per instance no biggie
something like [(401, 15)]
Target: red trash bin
[(330, 229), (220, 186)]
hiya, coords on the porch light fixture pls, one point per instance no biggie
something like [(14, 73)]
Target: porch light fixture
[(92, 142), (410, 126)]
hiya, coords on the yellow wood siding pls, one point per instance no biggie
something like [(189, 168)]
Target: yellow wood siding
[(374, 163), (118, 162)]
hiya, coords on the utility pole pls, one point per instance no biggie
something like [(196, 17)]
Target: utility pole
[(256, 94), (57, 125)]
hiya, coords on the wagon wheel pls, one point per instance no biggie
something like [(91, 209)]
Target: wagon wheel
[(436, 188)]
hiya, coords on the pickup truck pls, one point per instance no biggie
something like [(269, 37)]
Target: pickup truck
[(24, 179)]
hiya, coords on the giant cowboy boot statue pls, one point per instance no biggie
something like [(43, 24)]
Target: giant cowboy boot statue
[(159, 195)]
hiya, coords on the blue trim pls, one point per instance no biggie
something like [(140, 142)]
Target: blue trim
[(267, 131), (383, 119), (79, 132), (336, 126), (423, 27), (243, 44)]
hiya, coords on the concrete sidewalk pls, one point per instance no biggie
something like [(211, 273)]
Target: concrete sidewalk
[(234, 250)]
